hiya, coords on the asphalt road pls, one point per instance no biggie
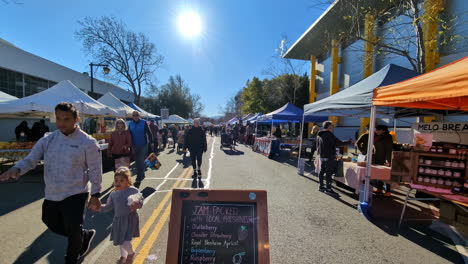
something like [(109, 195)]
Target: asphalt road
[(305, 226)]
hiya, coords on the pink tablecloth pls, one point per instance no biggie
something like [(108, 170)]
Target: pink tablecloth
[(441, 193), (354, 174)]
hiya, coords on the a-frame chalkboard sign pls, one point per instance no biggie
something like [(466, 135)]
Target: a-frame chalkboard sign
[(218, 226)]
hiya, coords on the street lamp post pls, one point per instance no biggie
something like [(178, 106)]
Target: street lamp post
[(105, 69)]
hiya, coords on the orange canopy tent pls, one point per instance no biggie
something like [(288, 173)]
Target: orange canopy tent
[(443, 88)]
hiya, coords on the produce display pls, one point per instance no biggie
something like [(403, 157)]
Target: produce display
[(99, 136), (17, 145)]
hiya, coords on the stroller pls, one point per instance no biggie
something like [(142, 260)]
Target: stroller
[(226, 141)]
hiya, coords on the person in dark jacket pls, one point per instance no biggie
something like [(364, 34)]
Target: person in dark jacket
[(165, 132), (361, 142), (383, 147), (196, 144), (277, 132), (327, 143), (22, 132)]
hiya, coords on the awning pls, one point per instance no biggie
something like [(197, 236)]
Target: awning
[(45, 102), (110, 100), (290, 112), (6, 97), (143, 112), (357, 99), (175, 119), (443, 88)]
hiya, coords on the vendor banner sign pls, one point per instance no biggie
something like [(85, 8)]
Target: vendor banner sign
[(455, 132), (461, 127)]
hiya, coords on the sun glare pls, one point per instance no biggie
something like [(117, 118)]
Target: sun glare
[(189, 24)]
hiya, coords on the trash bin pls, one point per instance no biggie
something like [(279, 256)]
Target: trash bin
[(300, 167)]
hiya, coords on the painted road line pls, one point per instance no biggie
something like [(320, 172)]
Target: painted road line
[(208, 179), (170, 179), (147, 225), (136, 242), (162, 183), (146, 248)]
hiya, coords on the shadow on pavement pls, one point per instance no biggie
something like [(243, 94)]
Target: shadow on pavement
[(47, 243), (385, 214), (54, 246), (233, 152), (31, 187), (185, 161)]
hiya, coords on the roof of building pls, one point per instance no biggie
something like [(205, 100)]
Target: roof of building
[(16, 59), (316, 40)]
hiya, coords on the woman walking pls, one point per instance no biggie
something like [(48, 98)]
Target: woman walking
[(120, 144)]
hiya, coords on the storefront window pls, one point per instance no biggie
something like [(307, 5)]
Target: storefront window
[(11, 82), (34, 85)]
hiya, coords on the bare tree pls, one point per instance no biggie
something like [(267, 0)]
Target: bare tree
[(280, 67), (133, 57), (400, 27)]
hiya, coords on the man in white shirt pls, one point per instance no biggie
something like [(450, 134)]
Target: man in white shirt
[(72, 159)]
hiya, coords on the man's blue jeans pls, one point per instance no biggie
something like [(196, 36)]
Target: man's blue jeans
[(140, 155)]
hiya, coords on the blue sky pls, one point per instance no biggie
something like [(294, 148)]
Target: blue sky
[(238, 39)]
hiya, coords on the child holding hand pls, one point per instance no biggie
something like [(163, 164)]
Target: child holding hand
[(124, 202)]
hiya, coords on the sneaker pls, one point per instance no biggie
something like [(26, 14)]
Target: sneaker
[(130, 258), (331, 191), (88, 236), (199, 172), (321, 189), (387, 194)]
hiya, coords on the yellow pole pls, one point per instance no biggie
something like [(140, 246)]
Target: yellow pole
[(432, 10), (313, 77), (368, 63), (335, 60)]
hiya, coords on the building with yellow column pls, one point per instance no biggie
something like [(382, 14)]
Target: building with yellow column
[(339, 60)]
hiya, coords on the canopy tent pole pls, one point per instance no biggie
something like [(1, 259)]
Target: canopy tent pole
[(271, 132), (256, 123), (300, 143), (364, 195), (394, 124)]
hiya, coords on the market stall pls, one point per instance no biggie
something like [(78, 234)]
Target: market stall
[(439, 168), (43, 105), (267, 146), (356, 101), (285, 114)]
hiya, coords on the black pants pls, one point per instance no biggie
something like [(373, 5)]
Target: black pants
[(196, 157), (66, 218), (327, 169)]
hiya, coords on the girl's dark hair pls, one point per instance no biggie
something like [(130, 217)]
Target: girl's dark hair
[(67, 107)]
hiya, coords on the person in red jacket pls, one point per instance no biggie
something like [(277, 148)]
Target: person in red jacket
[(120, 144)]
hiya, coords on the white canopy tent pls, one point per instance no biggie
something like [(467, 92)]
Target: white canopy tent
[(6, 97), (45, 102), (110, 100), (175, 119), (143, 113)]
